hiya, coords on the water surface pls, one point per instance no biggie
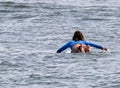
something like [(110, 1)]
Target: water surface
[(32, 31)]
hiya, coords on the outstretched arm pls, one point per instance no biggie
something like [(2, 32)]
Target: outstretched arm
[(63, 47), (96, 46)]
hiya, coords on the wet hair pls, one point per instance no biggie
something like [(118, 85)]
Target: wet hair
[(78, 36)]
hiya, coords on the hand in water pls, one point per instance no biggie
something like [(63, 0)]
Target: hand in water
[(105, 49)]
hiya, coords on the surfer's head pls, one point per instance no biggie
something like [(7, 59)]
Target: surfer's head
[(78, 36)]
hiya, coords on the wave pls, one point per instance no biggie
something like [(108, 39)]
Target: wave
[(69, 2)]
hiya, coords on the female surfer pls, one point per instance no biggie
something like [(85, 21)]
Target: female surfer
[(79, 44)]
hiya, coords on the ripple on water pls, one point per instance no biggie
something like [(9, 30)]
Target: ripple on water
[(31, 32)]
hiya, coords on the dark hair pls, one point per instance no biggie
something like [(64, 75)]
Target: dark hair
[(78, 36)]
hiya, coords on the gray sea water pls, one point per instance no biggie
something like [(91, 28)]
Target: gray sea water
[(32, 30)]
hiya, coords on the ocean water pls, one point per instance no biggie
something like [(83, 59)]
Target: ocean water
[(31, 31)]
